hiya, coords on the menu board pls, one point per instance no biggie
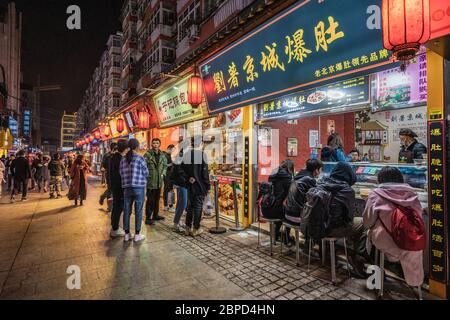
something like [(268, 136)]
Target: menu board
[(172, 105), (396, 88), (437, 202), (344, 93)]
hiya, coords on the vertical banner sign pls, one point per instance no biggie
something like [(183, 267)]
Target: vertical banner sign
[(246, 176), (437, 202)]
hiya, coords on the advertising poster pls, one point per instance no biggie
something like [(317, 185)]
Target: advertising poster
[(226, 201), (292, 147)]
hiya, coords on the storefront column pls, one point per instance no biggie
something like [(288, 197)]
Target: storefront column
[(438, 206), (248, 165)]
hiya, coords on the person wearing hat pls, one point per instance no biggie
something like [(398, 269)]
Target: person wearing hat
[(411, 149)]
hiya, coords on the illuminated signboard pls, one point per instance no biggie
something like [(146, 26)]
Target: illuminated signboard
[(172, 107), (26, 123), (307, 45), (350, 92), (437, 202), (13, 126)]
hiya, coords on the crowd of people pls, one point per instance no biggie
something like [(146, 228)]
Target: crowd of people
[(292, 197), (133, 179), (24, 172)]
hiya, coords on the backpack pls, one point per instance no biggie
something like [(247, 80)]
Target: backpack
[(267, 197), (314, 216), (407, 229)]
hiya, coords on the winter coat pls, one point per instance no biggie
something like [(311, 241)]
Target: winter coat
[(281, 180), (342, 207), (195, 165), (328, 154), (45, 172), (380, 205), (415, 150), (105, 165), (56, 168), (114, 172), (156, 170), (20, 169), (176, 178), (296, 197), (37, 166), (75, 175)]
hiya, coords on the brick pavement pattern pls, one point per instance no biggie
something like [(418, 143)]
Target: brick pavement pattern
[(41, 238)]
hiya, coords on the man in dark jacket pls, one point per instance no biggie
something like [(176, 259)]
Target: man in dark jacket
[(296, 198), (116, 188), (38, 167), (105, 165), (8, 174), (21, 172), (168, 185), (195, 173), (56, 168), (341, 221), (411, 149)]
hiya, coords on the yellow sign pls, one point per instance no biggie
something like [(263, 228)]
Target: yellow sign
[(6, 139)]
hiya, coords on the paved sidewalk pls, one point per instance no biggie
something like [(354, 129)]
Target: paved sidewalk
[(41, 238)]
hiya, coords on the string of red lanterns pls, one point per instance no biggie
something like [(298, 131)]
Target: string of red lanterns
[(195, 91), (120, 125)]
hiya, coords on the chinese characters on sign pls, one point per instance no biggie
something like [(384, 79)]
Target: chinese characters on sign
[(397, 89), (172, 106), (437, 202), (308, 43), (345, 93)]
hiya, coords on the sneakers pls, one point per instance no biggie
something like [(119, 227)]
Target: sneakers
[(128, 237), (139, 237), (118, 233), (197, 232), (13, 200), (24, 199), (178, 228), (172, 210), (188, 231)]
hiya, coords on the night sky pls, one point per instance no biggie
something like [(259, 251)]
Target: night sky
[(63, 56)]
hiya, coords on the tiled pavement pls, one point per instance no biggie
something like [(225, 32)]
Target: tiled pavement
[(40, 238)]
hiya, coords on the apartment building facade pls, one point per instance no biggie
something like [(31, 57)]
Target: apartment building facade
[(68, 131), (104, 91), (10, 54)]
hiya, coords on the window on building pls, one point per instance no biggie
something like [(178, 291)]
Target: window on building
[(187, 18)]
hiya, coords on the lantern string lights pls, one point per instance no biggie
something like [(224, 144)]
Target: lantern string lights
[(406, 26)]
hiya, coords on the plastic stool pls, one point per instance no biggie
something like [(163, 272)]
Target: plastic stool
[(272, 232)]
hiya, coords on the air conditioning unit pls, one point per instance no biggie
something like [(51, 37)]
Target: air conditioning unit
[(193, 32)]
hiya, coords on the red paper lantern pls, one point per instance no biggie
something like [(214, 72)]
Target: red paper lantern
[(91, 138), (97, 134), (406, 25), (120, 125), (195, 91), (144, 120), (107, 131)]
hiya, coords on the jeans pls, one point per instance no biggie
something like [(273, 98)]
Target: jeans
[(356, 232), (130, 195), (181, 203), (118, 203), (55, 185), (20, 184), (168, 186), (152, 204), (194, 210)]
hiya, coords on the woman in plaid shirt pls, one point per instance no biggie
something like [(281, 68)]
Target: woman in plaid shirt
[(134, 172)]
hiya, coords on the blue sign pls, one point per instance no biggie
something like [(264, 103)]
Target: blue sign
[(345, 93), (13, 127), (306, 45), (26, 123)]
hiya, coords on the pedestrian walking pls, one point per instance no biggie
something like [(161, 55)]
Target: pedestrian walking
[(56, 168), (45, 174), (21, 172), (9, 176), (37, 167), (157, 168), (67, 166), (195, 174), (116, 188), (105, 165), (2, 176), (182, 193), (134, 174), (168, 194), (78, 174)]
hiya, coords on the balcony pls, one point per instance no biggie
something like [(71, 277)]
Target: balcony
[(114, 91), (229, 9), (161, 30), (115, 50), (154, 3), (181, 4), (160, 67), (183, 47), (115, 70)]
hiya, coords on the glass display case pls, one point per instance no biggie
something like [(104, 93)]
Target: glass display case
[(415, 175)]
